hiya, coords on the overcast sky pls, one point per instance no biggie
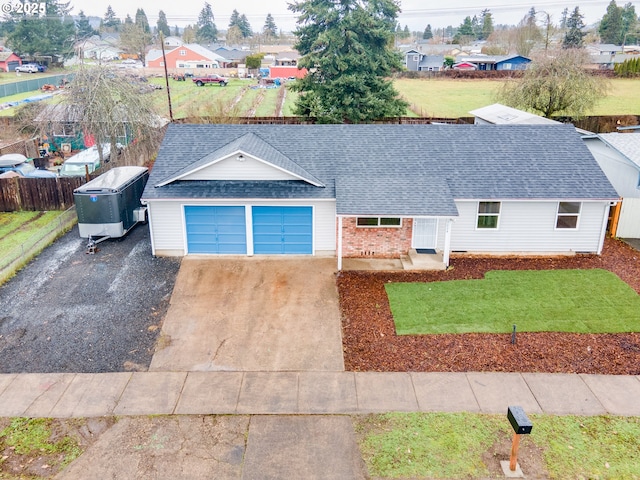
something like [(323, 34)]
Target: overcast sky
[(415, 13)]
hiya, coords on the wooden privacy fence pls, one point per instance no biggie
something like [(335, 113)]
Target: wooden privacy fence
[(38, 194)]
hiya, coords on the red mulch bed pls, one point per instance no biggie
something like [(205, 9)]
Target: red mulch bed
[(371, 344)]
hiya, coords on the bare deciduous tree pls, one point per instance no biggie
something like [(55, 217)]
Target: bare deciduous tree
[(555, 84), (107, 103)]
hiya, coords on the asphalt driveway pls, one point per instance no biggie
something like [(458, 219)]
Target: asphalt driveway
[(71, 312), (252, 314)]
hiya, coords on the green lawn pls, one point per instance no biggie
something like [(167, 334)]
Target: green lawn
[(580, 301), (23, 228), (455, 98), (450, 446)]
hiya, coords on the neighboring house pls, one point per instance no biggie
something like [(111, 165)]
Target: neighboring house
[(231, 56), (608, 62), (618, 154), (8, 60), (188, 56), (60, 123), (603, 49), (172, 42), (496, 62), (99, 49), (376, 191), (419, 62), (426, 47), (286, 59), (498, 114)]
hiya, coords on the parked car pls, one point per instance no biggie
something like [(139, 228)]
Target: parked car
[(15, 162), (210, 79), (28, 68), (42, 68)]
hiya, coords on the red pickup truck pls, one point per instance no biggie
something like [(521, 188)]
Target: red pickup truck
[(203, 80)]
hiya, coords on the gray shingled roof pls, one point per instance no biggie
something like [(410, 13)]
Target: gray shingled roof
[(415, 195), (253, 145), (475, 161)]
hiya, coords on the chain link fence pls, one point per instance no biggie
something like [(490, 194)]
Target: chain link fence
[(31, 84), (11, 261)]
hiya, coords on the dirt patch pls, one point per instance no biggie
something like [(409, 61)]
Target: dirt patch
[(530, 458), (75, 434), (371, 344)]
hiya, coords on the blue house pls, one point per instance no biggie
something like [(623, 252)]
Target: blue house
[(497, 62)]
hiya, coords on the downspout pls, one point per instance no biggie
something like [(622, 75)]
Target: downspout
[(339, 243), (447, 242), (603, 229)]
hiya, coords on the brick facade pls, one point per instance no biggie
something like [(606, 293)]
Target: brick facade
[(375, 242)]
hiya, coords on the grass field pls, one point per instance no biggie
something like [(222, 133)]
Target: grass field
[(455, 98), (23, 228), (580, 301), (451, 446)]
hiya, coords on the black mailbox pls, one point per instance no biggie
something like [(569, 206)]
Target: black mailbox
[(519, 420)]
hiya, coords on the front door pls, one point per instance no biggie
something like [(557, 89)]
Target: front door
[(425, 232)]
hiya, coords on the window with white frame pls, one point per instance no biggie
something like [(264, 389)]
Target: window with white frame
[(183, 53), (568, 214), (488, 214), (393, 222)]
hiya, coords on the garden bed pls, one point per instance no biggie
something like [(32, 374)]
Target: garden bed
[(371, 344)]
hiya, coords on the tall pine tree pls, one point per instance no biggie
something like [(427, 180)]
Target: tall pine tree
[(574, 38), (347, 51), (428, 34), (611, 28), (206, 28), (269, 29), (84, 29), (162, 25)]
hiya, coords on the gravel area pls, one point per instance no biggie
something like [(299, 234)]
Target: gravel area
[(371, 344), (68, 311)]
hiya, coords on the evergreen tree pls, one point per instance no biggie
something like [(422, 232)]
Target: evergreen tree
[(631, 32), (563, 18), (487, 24), (477, 27), (110, 22), (50, 35), (128, 20), (84, 29), (406, 33), (428, 34), (347, 50), (176, 31), (574, 38), (206, 28), (234, 20), (244, 26), (611, 26), (142, 21), (162, 24), (270, 30), (465, 31)]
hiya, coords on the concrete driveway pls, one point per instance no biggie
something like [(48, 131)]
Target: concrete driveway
[(251, 314)]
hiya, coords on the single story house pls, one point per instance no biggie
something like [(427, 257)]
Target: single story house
[(496, 62), (8, 60), (376, 191), (188, 56), (419, 62), (618, 154)]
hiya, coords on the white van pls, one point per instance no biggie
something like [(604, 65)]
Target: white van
[(75, 166)]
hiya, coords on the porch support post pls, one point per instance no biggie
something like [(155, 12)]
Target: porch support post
[(447, 242), (339, 242)]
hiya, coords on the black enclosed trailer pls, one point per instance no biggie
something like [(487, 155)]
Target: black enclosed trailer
[(109, 206)]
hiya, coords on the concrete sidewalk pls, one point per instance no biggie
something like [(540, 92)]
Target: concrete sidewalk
[(63, 395)]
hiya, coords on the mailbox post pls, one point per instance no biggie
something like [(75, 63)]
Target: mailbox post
[(521, 426)]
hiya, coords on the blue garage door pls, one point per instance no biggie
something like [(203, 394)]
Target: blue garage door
[(282, 230), (216, 229)]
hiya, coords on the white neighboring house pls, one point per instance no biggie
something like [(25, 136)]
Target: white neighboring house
[(618, 155)]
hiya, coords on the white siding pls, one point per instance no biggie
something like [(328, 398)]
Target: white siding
[(528, 227), (166, 220), (233, 168), (629, 221), (621, 173)]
